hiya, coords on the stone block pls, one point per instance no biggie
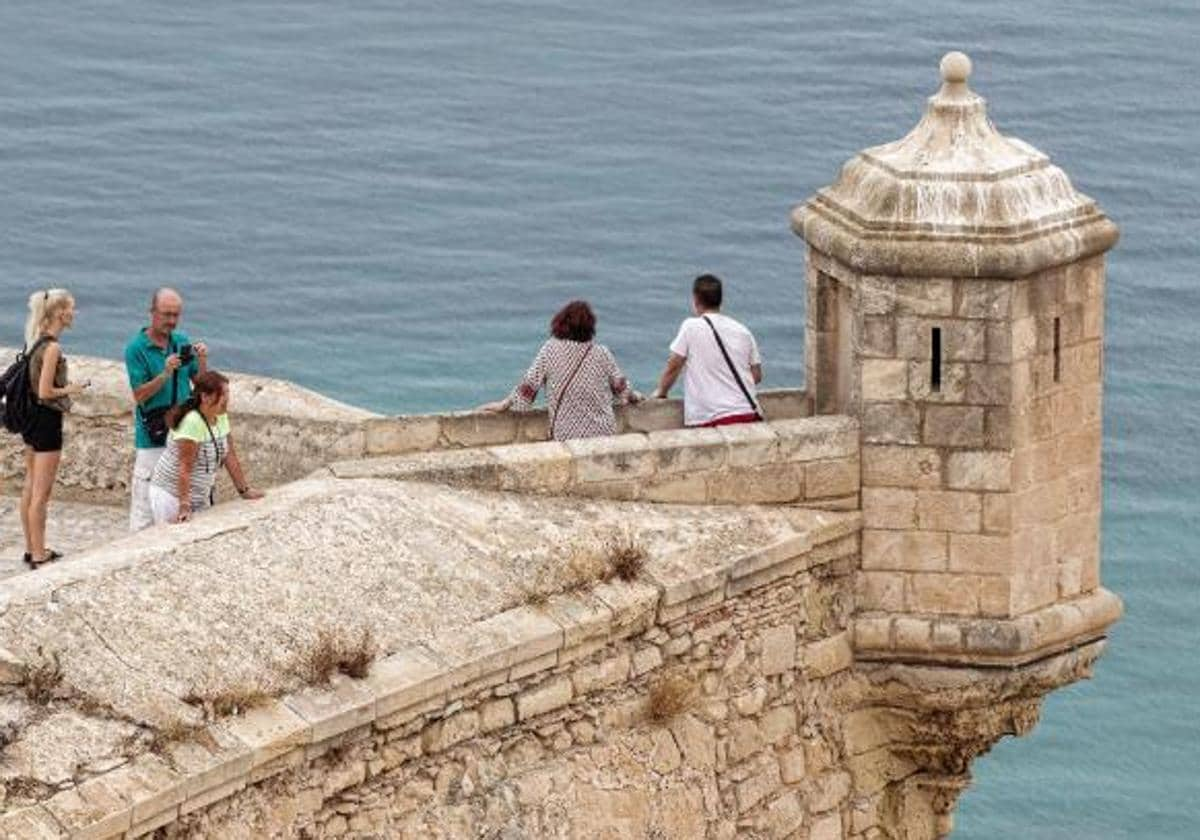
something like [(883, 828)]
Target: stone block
[(792, 766), (12, 668), (1000, 343), (538, 467), (947, 636), (877, 295), (634, 605), (884, 379), (757, 787), (925, 297), (347, 704), (980, 554), (750, 444), (497, 643), (952, 389), (988, 384), (768, 484), (615, 458), (877, 338), (997, 512), (913, 633), (581, 617), (651, 416), (784, 403), (778, 650), (816, 438), (449, 731), (533, 426), (406, 678), (831, 478), (880, 591), (828, 791), (826, 827), (872, 632), (962, 340), (952, 425), (949, 510), (778, 724), (534, 666), (889, 507), (696, 742), (744, 741), (979, 470), (984, 299), (785, 816), (479, 429), (995, 596), (917, 551), (398, 435), (270, 731), (893, 422), (828, 656), (688, 450), (901, 466), (943, 594), (544, 698), (646, 660), (33, 823), (497, 714), (607, 673), (676, 489), (90, 811)]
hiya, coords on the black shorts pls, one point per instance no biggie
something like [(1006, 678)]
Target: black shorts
[(45, 434)]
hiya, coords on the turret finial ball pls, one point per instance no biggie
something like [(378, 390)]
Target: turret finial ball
[(955, 67)]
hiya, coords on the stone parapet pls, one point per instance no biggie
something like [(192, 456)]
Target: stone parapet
[(809, 461), (284, 432)]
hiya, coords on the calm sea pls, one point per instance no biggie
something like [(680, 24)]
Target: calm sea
[(385, 201)]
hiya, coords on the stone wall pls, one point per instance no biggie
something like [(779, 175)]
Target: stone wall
[(284, 432), (810, 461)]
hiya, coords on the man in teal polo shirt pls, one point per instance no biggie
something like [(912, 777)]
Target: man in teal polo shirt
[(159, 377)]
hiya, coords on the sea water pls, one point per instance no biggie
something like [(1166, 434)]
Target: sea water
[(386, 201)]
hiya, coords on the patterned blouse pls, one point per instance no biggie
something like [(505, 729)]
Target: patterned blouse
[(583, 406)]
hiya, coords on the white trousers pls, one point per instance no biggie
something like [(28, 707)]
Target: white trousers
[(163, 506), (140, 514)]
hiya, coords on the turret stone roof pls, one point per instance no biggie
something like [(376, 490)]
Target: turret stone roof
[(954, 197)]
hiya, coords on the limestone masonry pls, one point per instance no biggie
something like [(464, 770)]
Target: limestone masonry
[(837, 610)]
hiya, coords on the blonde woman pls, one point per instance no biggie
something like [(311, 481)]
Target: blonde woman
[(50, 312)]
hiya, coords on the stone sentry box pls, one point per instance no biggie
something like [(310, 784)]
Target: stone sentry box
[(955, 284)]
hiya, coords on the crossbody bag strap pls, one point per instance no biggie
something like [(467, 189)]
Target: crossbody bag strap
[(737, 376), (562, 392)]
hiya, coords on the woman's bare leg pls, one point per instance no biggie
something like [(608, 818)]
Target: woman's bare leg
[(45, 467), (26, 499)]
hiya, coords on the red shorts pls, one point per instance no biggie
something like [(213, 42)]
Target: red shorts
[(730, 420)]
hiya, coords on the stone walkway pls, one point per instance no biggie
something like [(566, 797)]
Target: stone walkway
[(72, 529)]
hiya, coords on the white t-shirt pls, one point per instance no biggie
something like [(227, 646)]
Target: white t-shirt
[(709, 390)]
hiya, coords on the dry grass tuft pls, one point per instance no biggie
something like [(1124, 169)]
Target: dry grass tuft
[(670, 697), (43, 678), (336, 652), (228, 701), (175, 732), (626, 558), (584, 563)]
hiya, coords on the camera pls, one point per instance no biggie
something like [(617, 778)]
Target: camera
[(186, 354)]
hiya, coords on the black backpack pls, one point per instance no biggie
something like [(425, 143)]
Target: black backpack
[(16, 391)]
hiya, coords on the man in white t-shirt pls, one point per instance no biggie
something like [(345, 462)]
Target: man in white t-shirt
[(712, 392)]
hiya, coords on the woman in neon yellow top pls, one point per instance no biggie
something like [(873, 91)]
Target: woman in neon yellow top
[(198, 445)]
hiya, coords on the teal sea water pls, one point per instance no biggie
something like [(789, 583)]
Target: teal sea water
[(385, 201)]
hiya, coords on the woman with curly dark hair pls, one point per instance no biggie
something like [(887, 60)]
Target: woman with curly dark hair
[(581, 378)]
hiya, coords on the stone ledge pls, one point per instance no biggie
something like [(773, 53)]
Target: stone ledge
[(997, 642)]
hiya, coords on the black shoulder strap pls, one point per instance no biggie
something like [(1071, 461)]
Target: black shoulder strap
[(737, 376)]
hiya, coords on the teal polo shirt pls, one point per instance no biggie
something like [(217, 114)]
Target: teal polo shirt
[(145, 360)]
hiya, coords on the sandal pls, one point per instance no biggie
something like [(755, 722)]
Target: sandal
[(49, 557), (27, 559)]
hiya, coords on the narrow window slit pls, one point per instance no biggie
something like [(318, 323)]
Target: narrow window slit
[(935, 361), (1057, 350)]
